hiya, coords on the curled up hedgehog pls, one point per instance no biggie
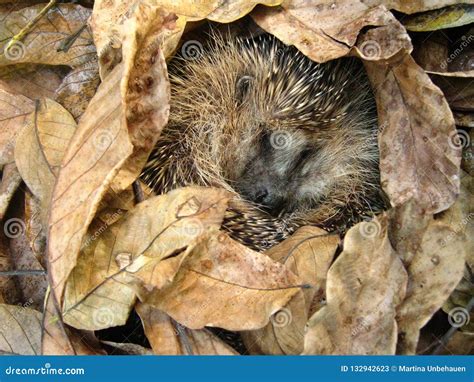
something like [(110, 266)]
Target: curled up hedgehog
[(294, 140)]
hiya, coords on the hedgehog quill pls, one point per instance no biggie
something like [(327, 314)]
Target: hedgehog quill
[(294, 140)]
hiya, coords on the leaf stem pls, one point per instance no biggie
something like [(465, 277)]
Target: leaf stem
[(27, 29)]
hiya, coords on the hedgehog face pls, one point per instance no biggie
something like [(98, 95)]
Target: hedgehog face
[(275, 175)]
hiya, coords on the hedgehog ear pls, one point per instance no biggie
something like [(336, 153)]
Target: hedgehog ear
[(242, 87)]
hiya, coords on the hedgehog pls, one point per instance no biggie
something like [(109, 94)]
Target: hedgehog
[(293, 140)]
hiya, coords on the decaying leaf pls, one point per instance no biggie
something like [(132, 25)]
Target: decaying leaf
[(40, 148), (32, 81), (42, 45), (457, 88), (167, 337), (20, 330), (107, 133), (324, 31), (120, 348), (14, 114), (418, 158), (364, 287), (99, 292), (308, 253), (113, 248), (449, 17), (434, 270), (225, 284)]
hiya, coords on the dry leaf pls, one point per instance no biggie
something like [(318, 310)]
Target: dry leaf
[(32, 81), (418, 159), (364, 287), (449, 17), (127, 349), (99, 293), (20, 330), (14, 114), (42, 44), (308, 253), (434, 271), (112, 21), (225, 284), (40, 148), (457, 88), (167, 337), (324, 31), (415, 6)]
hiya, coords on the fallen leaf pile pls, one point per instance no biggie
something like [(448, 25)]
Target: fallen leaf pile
[(92, 262)]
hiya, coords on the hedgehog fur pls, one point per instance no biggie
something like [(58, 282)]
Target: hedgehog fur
[(295, 141)]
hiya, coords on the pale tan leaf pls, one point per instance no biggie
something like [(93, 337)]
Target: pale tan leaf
[(116, 119), (324, 31), (449, 17), (308, 253), (20, 330), (418, 159), (225, 284), (14, 114), (40, 148), (99, 293), (434, 271), (167, 337), (42, 44), (32, 81), (59, 339), (364, 287)]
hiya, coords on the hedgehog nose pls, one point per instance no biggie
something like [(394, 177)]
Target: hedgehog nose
[(260, 195)]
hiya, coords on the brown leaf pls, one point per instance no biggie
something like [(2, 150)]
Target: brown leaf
[(20, 330), (167, 337), (32, 81), (127, 349), (308, 253), (418, 159), (41, 45), (14, 114), (115, 121), (78, 88), (434, 270), (225, 284), (457, 88), (449, 17), (59, 339), (99, 293), (415, 6), (40, 148), (364, 287), (324, 31)]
